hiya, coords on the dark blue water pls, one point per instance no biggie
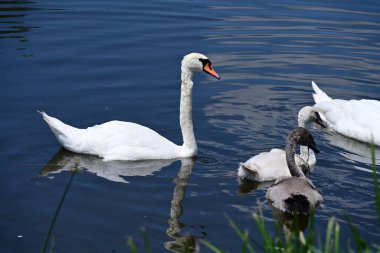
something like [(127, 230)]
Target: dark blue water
[(87, 62)]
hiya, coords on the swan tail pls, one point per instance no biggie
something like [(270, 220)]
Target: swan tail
[(246, 171), (319, 95), (297, 204), (248, 168), (63, 132)]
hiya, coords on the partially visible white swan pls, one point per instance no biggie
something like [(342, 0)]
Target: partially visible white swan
[(268, 166), (118, 140), (295, 194), (357, 119)]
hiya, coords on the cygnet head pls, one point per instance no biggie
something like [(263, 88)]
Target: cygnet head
[(302, 136), (199, 62)]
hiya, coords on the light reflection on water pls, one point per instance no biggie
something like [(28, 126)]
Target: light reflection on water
[(120, 60)]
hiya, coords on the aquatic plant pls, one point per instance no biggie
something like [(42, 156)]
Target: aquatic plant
[(375, 181), (55, 216)]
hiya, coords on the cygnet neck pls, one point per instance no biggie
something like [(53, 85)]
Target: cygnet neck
[(290, 150)]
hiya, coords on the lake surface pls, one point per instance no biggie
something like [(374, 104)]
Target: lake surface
[(87, 62)]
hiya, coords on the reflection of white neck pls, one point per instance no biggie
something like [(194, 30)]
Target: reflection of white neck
[(308, 155), (176, 209), (185, 111)]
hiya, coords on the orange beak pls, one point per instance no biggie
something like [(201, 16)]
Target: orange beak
[(208, 69)]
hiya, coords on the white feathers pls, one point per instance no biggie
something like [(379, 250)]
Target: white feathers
[(319, 95), (117, 140), (358, 119), (114, 140), (268, 166)]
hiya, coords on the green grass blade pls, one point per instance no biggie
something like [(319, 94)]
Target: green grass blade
[(57, 210), (243, 236), (330, 227), (279, 242), (269, 246), (132, 245), (146, 241), (212, 247), (52, 243), (311, 235), (336, 238), (186, 247), (375, 182), (360, 243)]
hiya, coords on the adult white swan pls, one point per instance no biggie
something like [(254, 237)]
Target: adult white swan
[(118, 140), (268, 166), (357, 119), (295, 194)]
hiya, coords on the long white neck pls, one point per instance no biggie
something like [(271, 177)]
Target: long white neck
[(304, 115), (185, 111)]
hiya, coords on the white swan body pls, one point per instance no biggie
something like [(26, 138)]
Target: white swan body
[(272, 165), (269, 166), (357, 119), (118, 140)]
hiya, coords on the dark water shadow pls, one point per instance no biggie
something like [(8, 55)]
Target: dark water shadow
[(13, 22)]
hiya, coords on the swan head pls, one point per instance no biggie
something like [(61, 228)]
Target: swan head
[(197, 62), (302, 136), (308, 113)]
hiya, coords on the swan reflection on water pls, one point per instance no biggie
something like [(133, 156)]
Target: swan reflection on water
[(293, 222), (247, 186), (116, 171), (181, 243), (353, 150)]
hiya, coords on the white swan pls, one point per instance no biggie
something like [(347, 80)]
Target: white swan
[(357, 119), (268, 166), (295, 194), (118, 140)]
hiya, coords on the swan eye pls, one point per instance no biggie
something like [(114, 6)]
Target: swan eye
[(207, 68), (205, 62)]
